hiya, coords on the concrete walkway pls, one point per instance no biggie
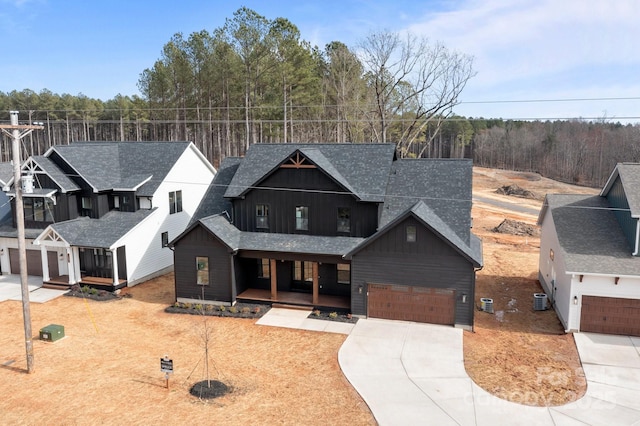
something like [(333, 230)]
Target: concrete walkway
[(297, 318), (411, 373), (11, 289)]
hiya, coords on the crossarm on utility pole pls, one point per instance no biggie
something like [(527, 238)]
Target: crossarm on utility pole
[(18, 132)]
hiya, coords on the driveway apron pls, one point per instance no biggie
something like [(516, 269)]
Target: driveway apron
[(410, 373)]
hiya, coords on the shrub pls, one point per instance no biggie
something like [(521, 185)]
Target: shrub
[(186, 305), (316, 312), (221, 308), (233, 310), (256, 310), (333, 315), (245, 310), (93, 291)]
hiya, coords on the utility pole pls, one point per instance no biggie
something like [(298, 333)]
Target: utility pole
[(18, 132)]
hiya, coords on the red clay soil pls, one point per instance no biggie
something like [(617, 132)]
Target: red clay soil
[(107, 368)]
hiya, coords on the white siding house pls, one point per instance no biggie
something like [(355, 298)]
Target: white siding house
[(111, 209), (589, 264)]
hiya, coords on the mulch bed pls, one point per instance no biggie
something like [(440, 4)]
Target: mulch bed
[(92, 293), (209, 389), (239, 310), (332, 316)]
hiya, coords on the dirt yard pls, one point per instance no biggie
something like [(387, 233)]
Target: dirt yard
[(107, 370), (517, 353)]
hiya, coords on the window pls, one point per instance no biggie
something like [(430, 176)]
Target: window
[(302, 218), (344, 273), (344, 219), (175, 202), (165, 239), (202, 267), (411, 234), (263, 268), (86, 205), (262, 216), (38, 209), (302, 271)]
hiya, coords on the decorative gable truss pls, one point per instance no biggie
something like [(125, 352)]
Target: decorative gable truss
[(297, 161)]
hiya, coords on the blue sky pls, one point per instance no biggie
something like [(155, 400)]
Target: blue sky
[(546, 50)]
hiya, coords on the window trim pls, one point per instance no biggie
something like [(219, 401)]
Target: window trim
[(341, 221), (175, 201), (262, 220), (411, 232), (338, 270), (264, 265), (303, 272), (302, 221), (44, 210), (202, 265)]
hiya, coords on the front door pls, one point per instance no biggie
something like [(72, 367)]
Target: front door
[(302, 276)]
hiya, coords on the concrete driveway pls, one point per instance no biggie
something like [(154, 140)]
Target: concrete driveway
[(410, 373), (10, 289)]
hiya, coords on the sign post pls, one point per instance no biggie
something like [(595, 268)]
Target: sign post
[(166, 366)]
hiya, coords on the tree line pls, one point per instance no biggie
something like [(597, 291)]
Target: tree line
[(256, 80)]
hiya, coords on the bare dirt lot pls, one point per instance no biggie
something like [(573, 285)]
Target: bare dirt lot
[(107, 368), (517, 353)]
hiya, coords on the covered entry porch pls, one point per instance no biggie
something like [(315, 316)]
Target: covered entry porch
[(294, 279)]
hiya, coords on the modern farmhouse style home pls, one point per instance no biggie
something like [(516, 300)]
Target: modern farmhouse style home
[(102, 213), (338, 226)]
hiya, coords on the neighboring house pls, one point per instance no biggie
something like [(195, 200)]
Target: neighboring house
[(589, 264), (339, 226), (6, 175), (102, 213)]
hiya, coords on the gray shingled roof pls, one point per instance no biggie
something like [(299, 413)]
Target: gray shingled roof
[(359, 168), (590, 236), (429, 218), (442, 184), (99, 233), (278, 243), (122, 165), (6, 173), (55, 173), (630, 177), (213, 201)]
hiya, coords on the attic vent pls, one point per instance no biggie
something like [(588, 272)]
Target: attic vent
[(298, 161)]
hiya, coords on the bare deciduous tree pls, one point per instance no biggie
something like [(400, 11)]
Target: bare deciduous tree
[(414, 79)]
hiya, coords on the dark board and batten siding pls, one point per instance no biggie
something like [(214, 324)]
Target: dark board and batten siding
[(428, 262), (199, 242), (304, 187), (618, 199)]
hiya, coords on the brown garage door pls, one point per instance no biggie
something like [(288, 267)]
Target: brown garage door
[(406, 303), (34, 262), (610, 315)]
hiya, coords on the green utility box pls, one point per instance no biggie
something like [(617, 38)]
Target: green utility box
[(52, 332)]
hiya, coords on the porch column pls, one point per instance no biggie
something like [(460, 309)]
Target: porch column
[(74, 259), (45, 263), (274, 279), (316, 291), (114, 266), (71, 272)]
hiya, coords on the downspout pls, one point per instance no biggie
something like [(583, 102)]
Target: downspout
[(635, 253)]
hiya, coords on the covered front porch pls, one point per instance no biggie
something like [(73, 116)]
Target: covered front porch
[(295, 298), (321, 282), (62, 282)]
